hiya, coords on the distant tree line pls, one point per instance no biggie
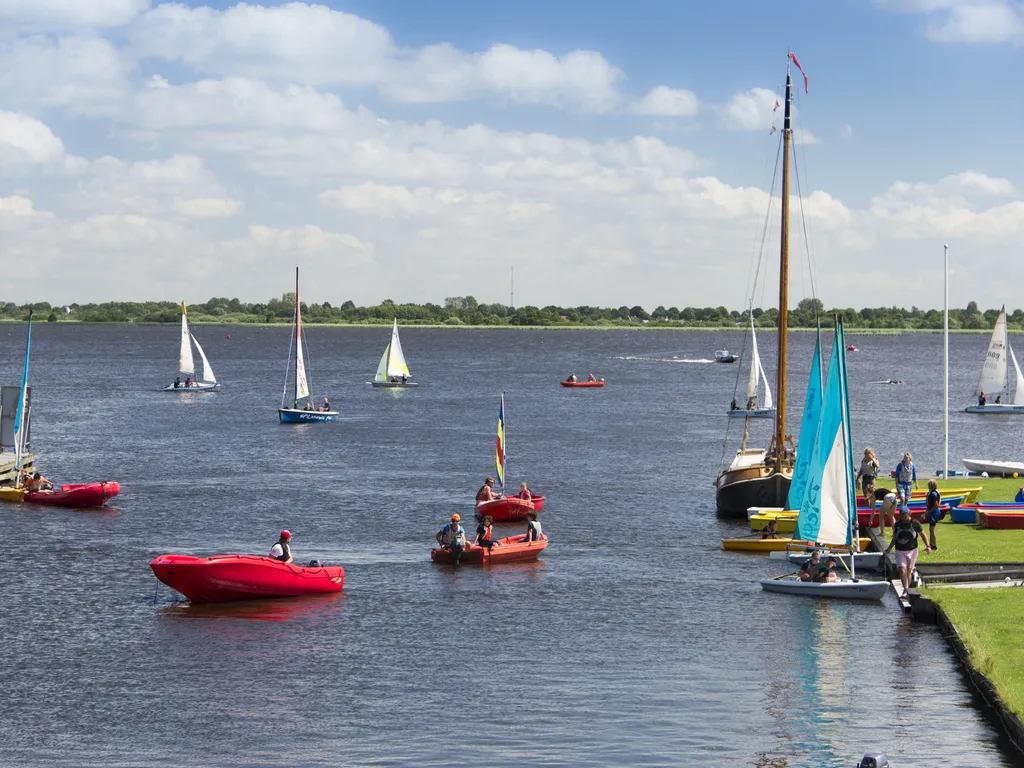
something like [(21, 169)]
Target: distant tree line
[(465, 310)]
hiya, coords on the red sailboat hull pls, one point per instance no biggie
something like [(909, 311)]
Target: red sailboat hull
[(509, 509), (76, 495), (514, 549), (227, 578)]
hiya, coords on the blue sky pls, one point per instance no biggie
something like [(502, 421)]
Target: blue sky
[(613, 153)]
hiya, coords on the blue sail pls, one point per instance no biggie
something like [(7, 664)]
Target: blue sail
[(826, 507), (19, 441), (808, 430)]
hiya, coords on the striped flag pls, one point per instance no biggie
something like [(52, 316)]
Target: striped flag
[(499, 446)]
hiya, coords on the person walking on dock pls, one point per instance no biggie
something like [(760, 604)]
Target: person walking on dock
[(906, 478), (868, 471), (904, 539)]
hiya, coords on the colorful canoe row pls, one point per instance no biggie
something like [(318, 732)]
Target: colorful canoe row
[(785, 522)]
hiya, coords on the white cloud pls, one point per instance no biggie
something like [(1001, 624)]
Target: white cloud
[(311, 240), (966, 21), (63, 14), (752, 110), (23, 139), (668, 102), (208, 207), (22, 207)]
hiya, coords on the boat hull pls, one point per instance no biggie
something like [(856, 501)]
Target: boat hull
[(76, 495), (394, 384), (870, 561), (995, 468), (1004, 521), (970, 495), (751, 486), (229, 578), (763, 546), (12, 495), (756, 413), (509, 509), (845, 589), (995, 408), (583, 384), (514, 549), (299, 416), (204, 386)]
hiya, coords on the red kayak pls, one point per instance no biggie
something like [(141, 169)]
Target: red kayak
[(225, 578), (866, 517), (77, 495), (509, 509), (514, 549), (582, 383)]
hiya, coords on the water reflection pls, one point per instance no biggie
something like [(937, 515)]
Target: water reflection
[(283, 609)]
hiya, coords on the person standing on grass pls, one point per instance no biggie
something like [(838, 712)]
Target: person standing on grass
[(868, 471), (904, 539), (933, 511), (906, 476)]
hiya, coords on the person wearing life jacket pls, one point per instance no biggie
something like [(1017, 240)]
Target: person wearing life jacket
[(486, 492), (982, 400), (590, 377), (572, 377), (453, 537), (524, 492), (533, 530), (484, 532), (177, 382), (282, 550), (906, 476)]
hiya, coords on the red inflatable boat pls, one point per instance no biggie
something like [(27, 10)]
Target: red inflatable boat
[(225, 578), (509, 509), (78, 495), (583, 383), (514, 549)]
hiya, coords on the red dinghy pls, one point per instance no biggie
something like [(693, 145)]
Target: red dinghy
[(514, 549), (226, 578), (582, 383), (76, 495), (509, 509)]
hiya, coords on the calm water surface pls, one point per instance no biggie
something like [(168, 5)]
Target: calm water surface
[(634, 641)]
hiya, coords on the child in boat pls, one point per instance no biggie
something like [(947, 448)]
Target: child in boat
[(572, 377), (453, 537), (533, 530), (809, 567), (827, 572), (590, 377), (483, 533), (770, 531), (524, 492)]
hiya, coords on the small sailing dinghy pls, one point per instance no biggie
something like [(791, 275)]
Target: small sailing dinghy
[(393, 371), (828, 510), (506, 509), (993, 382), (756, 409), (309, 412), (187, 365), (995, 468)]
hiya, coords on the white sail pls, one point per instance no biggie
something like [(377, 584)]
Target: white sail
[(993, 372), (382, 366), (207, 370), (757, 372), (301, 385), (396, 362), (1018, 393), (185, 362), (768, 403)]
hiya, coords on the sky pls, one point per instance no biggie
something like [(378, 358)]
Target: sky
[(605, 153)]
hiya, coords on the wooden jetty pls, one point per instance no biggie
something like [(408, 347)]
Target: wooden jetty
[(7, 465)]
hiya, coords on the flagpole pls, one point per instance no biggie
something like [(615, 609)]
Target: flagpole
[(945, 365)]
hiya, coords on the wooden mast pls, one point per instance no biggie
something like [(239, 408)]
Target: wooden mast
[(780, 381)]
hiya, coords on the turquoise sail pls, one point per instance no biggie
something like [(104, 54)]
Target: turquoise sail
[(19, 441), (808, 430), (826, 508)]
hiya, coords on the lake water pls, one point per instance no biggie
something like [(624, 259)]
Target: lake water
[(634, 641)]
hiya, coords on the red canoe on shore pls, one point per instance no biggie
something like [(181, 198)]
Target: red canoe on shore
[(76, 495), (582, 383), (509, 509), (1009, 520), (514, 549), (226, 578), (866, 517)]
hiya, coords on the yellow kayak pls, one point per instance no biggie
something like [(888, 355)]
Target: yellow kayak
[(12, 494), (780, 544)]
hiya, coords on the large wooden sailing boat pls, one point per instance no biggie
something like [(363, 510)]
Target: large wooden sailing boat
[(756, 477)]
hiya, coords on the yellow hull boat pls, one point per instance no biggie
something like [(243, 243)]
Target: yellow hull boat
[(12, 494), (781, 544), (784, 521)]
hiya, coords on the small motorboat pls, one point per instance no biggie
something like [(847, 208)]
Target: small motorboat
[(76, 495), (851, 348), (583, 384), (848, 589), (227, 578), (514, 549), (724, 356), (509, 509)]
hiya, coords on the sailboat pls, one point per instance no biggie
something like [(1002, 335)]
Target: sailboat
[(756, 477), (308, 412), (756, 409), (993, 380), (393, 371), (187, 365), (506, 509), (828, 510), (21, 421)]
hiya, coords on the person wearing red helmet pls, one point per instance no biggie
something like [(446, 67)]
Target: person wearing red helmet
[(282, 550)]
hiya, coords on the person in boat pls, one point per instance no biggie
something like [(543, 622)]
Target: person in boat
[(308, 406), (453, 537), (770, 531), (904, 539), (524, 492), (933, 511), (999, 399), (38, 483), (326, 405), (906, 476), (733, 406), (486, 492), (188, 382), (177, 382), (590, 377), (868, 470), (827, 572), (405, 378), (572, 377), (982, 400), (533, 529), (751, 403), (483, 536), (809, 567), (394, 379), (282, 550)]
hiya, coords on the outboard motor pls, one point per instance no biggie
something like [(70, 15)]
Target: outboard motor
[(874, 760), (314, 564)]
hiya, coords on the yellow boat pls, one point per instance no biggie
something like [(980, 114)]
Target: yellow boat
[(781, 544), (12, 494), (785, 521)]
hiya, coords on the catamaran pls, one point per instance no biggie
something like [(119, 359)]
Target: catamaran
[(393, 371), (993, 382), (308, 412), (187, 365), (755, 408)]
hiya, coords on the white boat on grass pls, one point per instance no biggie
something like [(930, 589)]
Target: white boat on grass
[(393, 371), (995, 468), (187, 366), (755, 409), (993, 382)]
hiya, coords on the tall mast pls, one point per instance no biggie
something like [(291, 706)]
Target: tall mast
[(298, 335), (780, 381)]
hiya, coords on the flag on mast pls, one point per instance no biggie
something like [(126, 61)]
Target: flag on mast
[(499, 446), (792, 57)]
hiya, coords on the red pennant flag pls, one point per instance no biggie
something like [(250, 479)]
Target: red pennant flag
[(792, 56), (776, 106), (772, 130)]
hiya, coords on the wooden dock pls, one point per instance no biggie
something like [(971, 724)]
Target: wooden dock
[(7, 465)]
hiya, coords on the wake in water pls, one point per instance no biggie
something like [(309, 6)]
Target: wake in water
[(652, 359)]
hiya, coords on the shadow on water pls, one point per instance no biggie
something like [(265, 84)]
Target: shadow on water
[(284, 609)]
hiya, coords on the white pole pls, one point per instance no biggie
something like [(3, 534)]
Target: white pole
[(945, 367)]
